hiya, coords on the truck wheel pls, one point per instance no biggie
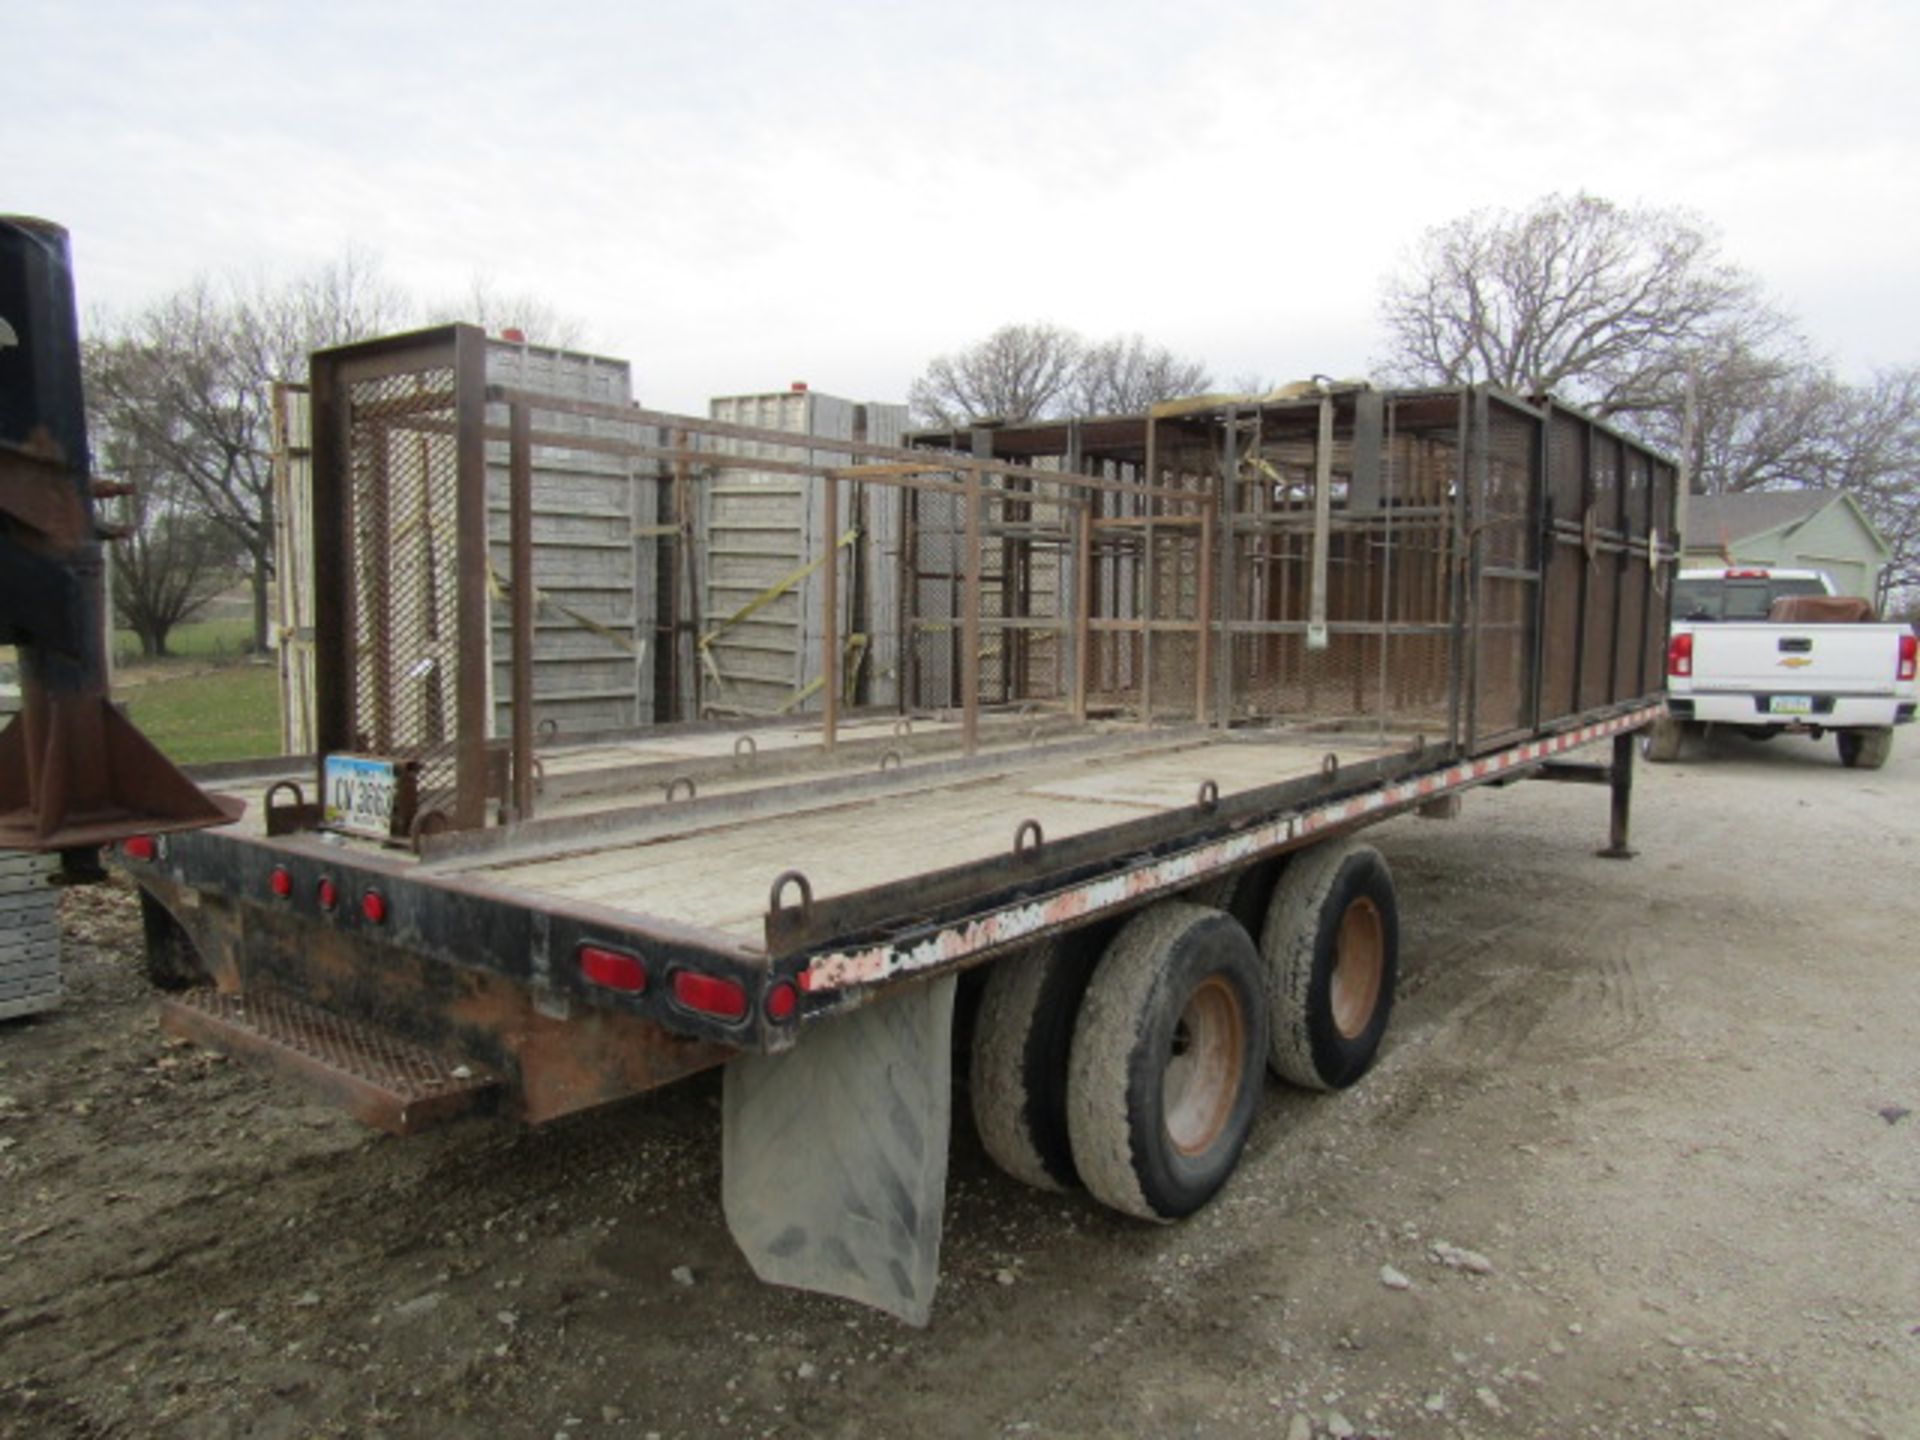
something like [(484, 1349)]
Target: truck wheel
[(1165, 1069), (1331, 946), (1865, 749), (1021, 1040), (1245, 894), (1660, 741)]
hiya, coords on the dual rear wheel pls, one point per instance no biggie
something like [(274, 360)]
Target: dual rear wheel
[(1133, 1065)]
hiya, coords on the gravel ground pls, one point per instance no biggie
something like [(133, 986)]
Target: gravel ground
[(1637, 1161)]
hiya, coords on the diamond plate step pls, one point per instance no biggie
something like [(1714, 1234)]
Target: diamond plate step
[(381, 1079)]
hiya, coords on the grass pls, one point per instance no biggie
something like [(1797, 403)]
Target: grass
[(222, 712), (196, 640)]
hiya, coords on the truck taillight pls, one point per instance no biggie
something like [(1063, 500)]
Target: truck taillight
[(1909, 651), (1680, 654), (613, 969), (140, 847), (373, 905), (710, 995), (327, 893), (281, 882)]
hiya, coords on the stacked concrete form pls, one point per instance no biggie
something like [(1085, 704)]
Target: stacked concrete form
[(29, 934)]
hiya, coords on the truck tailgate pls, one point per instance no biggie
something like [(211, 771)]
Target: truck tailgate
[(1814, 659)]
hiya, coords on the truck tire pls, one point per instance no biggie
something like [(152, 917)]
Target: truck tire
[(1022, 1036), (1331, 947), (1660, 741), (1165, 1072), (1866, 749), (1245, 894)]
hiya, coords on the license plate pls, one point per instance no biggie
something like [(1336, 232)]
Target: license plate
[(1790, 705), (360, 795)]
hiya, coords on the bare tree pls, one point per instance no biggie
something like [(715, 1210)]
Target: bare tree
[(1576, 296), (1019, 372), (1040, 371), (1125, 376), (167, 568), (179, 390), (494, 310)]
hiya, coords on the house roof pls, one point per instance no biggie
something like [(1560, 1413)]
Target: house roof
[(1752, 513)]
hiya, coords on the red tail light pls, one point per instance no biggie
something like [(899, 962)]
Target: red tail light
[(613, 969), (1680, 654), (327, 893), (710, 995), (1746, 574), (373, 905), (782, 1000), (140, 847), (1909, 645), (281, 881)]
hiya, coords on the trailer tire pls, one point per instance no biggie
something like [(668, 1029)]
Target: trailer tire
[(1332, 950), (1023, 1033), (1244, 894), (1866, 749), (1660, 742), (1165, 1071)]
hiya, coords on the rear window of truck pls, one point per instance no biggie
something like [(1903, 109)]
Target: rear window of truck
[(1748, 598)]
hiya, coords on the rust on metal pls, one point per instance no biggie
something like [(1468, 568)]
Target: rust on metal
[(380, 1079)]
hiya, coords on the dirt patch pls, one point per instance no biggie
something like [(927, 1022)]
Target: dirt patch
[(1637, 1161)]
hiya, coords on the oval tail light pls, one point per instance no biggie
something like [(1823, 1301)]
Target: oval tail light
[(710, 995), (613, 969)]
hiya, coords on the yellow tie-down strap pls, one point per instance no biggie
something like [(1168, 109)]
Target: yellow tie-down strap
[(774, 591), (500, 590)]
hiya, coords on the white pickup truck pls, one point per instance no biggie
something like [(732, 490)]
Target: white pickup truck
[(1772, 651)]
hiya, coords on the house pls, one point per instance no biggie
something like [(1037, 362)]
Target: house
[(1790, 529)]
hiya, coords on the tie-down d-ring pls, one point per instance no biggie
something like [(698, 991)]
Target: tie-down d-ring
[(780, 884), (673, 787)]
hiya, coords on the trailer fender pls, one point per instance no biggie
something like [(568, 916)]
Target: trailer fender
[(834, 1154)]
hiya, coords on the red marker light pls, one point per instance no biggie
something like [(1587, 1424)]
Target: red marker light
[(782, 1001), (613, 969), (710, 995), (373, 905), (281, 881), (140, 847), (327, 893)]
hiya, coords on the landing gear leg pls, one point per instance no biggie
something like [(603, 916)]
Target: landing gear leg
[(1620, 781)]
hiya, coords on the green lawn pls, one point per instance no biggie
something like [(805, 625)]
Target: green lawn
[(197, 639), (227, 712)]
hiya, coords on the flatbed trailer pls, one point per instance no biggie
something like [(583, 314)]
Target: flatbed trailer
[(1183, 660)]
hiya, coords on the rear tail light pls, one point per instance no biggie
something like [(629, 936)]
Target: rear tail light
[(281, 881), (327, 893), (782, 1000), (1909, 645), (373, 905), (1680, 654), (140, 847), (613, 969), (710, 995)]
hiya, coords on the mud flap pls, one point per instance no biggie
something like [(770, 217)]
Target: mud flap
[(835, 1154)]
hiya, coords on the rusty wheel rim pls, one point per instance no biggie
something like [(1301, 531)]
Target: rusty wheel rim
[(1202, 1078), (1360, 963)]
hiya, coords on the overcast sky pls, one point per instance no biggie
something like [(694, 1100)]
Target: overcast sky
[(735, 195)]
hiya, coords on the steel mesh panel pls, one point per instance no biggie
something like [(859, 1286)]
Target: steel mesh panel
[(1503, 611), (404, 482)]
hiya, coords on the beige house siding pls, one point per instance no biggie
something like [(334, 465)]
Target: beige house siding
[(1833, 539)]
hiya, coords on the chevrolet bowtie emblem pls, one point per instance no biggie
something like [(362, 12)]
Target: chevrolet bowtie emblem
[(1796, 662)]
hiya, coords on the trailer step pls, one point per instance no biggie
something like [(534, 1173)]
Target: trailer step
[(383, 1080)]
